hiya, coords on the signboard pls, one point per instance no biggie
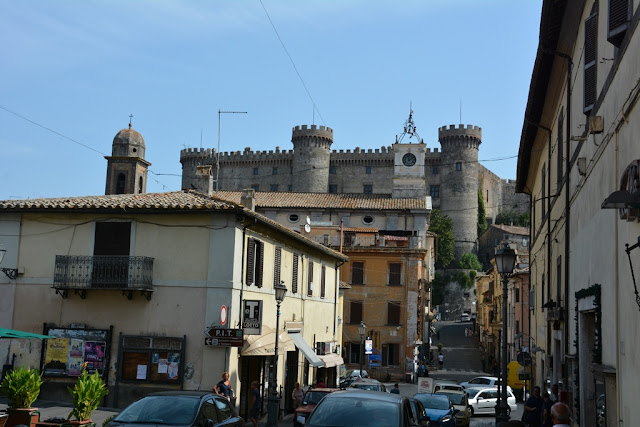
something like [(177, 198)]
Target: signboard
[(375, 357), (374, 364), (252, 317), (368, 346), (425, 385), (224, 337)]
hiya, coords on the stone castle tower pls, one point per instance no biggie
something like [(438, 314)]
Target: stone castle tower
[(126, 167), (311, 158)]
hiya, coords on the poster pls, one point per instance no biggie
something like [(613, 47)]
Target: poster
[(162, 366), (156, 357), (75, 358), (173, 371), (141, 373), (56, 357), (94, 356)]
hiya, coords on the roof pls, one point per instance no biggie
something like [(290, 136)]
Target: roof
[(511, 229), (176, 202), (268, 200)]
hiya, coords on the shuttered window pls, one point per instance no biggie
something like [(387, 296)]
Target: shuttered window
[(357, 273), (356, 312), (395, 269), (277, 265), (323, 278), (393, 313), (619, 17), (294, 274), (310, 279), (255, 262), (590, 58)]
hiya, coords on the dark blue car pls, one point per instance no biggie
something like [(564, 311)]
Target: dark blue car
[(439, 409)]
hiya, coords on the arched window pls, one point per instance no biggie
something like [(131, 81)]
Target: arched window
[(120, 183), (140, 187)]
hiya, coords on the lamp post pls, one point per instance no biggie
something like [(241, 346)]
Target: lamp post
[(11, 273), (362, 330), (505, 263), (274, 401)]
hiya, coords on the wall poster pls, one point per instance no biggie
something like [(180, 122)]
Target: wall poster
[(71, 348)]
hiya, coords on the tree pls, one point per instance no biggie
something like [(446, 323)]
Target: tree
[(482, 215), (510, 217), (442, 225), (470, 261)]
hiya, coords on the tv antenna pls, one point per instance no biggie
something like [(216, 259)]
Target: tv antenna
[(220, 113)]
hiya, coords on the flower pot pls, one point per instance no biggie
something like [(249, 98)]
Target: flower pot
[(25, 416), (76, 423)]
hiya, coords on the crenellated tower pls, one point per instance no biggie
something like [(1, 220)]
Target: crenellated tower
[(459, 183), (311, 156)]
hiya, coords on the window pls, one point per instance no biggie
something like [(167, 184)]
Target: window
[(140, 186), (111, 239), (356, 312), (224, 409), (590, 58), (256, 187), (255, 262), (458, 166), (354, 353), (367, 219), (559, 164), (323, 280), (294, 274), (619, 18), (255, 171), (357, 273), (393, 313), (310, 279), (435, 170), (395, 269), (274, 187), (274, 171), (525, 242), (277, 265), (120, 183), (390, 354), (332, 170), (367, 170), (294, 218), (434, 191), (207, 412), (517, 326), (367, 189), (517, 294), (333, 188)]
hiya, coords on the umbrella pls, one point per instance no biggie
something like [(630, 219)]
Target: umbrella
[(12, 333)]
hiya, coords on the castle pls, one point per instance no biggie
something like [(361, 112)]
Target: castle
[(451, 176)]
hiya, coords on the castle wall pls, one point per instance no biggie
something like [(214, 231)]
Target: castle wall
[(492, 193)]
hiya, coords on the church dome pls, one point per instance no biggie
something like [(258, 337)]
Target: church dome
[(128, 143)]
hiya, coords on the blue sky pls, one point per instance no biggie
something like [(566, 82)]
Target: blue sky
[(73, 71)]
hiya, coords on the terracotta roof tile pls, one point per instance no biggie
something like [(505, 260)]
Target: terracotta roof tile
[(512, 229)]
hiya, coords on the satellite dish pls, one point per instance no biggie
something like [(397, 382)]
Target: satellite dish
[(307, 228), (308, 221)]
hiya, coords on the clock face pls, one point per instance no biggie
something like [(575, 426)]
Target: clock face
[(409, 159)]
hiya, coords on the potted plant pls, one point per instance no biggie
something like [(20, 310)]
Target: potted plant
[(22, 387), (86, 396)]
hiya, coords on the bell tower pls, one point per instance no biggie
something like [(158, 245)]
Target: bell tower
[(126, 167), (408, 163)]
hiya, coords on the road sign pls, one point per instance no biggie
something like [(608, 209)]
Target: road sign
[(223, 315), (224, 337), (375, 357), (425, 385)]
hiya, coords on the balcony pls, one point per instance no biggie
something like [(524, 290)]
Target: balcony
[(122, 273)]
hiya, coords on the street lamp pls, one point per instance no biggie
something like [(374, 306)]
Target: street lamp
[(11, 273), (505, 263), (274, 401), (362, 330)]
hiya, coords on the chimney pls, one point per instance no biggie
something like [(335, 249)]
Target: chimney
[(204, 180), (248, 198)]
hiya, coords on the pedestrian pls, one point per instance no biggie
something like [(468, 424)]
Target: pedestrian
[(495, 368), (321, 384), (441, 360), (560, 414), (546, 410), (533, 409), (223, 388), (484, 364), (395, 389), (254, 412), (297, 395), (554, 393)]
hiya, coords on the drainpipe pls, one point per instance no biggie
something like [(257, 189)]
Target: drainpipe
[(567, 235)]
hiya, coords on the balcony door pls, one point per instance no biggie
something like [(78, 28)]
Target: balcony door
[(111, 255)]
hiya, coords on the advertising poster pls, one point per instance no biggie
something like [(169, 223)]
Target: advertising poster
[(56, 358), (94, 356), (76, 357), (162, 366), (173, 371)]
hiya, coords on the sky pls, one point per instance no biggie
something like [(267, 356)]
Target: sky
[(73, 72)]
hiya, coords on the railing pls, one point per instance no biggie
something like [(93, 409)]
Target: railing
[(555, 313), (103, 272)]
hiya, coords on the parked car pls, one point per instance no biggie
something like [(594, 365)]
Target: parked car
[(179, 408), (439, 408), (446, 385), (419, 413), (356, 373), (460, 401), (309, 402), (483, 400), (483, 382), (465, 317), (368, 384), (364, 408)]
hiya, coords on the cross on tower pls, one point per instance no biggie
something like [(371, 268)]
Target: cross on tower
[(130, 117)]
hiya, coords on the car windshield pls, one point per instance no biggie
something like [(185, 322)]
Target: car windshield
[(455, 398), (313, 397), (362, 386), (170, 410), (433, 402), (354, 411)]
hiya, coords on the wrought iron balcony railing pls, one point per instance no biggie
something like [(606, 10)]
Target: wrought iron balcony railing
[(82, 273)]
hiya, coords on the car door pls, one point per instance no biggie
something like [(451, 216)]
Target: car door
[(488, 402), (207, 413), (226, 414)]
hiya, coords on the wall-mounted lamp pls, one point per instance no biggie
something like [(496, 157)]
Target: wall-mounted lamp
[(11, 273), (622, 199), (535, 350)]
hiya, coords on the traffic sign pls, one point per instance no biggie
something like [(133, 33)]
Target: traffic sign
[(223, 315), (375, 357), (224, 337)]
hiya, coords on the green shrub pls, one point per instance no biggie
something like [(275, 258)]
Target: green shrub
[(22, 387), (86, 395)]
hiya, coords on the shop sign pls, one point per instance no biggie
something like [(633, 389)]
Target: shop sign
[(252, 317), (224, 337)]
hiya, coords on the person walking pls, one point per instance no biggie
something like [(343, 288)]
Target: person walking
[(223, 388), (546, 410), (441, 360), (533, 409), (560, 415), (297, 395), (395, 389), (254, 412), (554, 393)]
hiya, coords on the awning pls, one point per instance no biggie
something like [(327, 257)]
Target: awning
[(12, 333), (331, 360), (308, 352), (265, 344)]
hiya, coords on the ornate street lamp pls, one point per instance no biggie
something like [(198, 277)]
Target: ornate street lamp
[(505, 263), (362, 330), (274, 401)]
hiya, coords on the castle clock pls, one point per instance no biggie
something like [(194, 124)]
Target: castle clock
[(409, 159)]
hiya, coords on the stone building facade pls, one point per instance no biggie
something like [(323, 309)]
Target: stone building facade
[(451, 175)]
